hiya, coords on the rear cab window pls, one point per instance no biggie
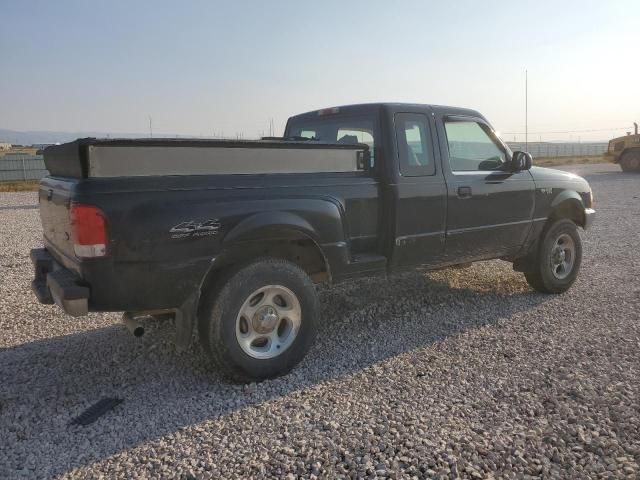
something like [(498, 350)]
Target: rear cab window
[(336, 128)]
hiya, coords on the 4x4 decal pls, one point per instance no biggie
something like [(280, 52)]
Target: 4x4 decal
[(195, 229)]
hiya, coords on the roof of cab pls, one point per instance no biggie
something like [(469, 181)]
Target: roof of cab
[(393, 106)]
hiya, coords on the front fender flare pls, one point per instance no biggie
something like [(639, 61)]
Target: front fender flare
[(567, 195)]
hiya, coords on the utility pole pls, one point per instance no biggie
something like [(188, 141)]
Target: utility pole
[(526, 110), (150, 127)]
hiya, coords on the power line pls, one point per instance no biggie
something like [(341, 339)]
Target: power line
[(569, 131)]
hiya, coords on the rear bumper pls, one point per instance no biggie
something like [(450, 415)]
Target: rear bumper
[(53, 283), (589, 217)]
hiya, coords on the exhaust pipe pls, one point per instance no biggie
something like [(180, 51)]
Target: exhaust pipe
[(132, 325)]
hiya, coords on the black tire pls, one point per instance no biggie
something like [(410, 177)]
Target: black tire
[(546, 278), (630, 161), (219, 319)]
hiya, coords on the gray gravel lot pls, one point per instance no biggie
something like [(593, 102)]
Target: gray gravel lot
[(454, 373)]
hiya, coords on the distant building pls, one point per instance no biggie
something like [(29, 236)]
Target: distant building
[(5, 147)]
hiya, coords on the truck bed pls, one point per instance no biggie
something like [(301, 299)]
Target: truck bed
[(148, 188)]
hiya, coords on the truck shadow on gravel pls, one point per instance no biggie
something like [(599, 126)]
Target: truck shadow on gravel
[(48, 382)]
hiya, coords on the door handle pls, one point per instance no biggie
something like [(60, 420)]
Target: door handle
[(464, 192)]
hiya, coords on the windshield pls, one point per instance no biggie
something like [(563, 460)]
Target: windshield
[(336, 129)]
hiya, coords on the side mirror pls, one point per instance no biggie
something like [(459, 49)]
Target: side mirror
[(521, 161)]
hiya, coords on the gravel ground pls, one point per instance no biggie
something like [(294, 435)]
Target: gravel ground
[(454, 373)]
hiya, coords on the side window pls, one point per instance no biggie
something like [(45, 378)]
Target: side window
[(414, 148), (471, 147)]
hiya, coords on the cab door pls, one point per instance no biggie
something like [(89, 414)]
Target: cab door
[(418, 192), (490, 207)]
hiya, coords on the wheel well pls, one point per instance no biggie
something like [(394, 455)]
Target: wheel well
[(570, 209), (292, 246)]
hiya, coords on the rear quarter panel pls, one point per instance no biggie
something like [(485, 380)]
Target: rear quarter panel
[(165, 231)]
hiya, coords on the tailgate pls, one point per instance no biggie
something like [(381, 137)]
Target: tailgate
[(54, 199)]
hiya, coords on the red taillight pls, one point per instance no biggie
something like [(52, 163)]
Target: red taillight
[(88, 231)]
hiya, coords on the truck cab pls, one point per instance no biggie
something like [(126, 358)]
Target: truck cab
[(447, 191)]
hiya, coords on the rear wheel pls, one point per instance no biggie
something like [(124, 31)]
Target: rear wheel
[(260, 323), (630, 161), (558, 259)]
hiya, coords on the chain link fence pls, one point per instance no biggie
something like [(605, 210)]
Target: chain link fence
[(16, 167), (555, 150)]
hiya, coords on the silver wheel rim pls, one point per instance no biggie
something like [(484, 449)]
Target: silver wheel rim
[(563, 256), (268, 322)]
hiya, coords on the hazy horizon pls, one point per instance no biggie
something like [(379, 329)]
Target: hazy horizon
[(228, 68), (27, 138)]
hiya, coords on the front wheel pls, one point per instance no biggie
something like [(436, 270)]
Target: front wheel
[(558, 258), (260, 323), (630, 161)]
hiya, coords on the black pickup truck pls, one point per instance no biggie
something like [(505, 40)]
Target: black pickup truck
[(229, 237)]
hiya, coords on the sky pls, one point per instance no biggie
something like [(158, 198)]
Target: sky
[(228, 68)]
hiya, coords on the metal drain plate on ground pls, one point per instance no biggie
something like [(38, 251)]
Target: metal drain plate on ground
[(96, 410)]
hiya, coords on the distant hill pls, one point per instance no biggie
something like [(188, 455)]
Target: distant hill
[(37, 137)]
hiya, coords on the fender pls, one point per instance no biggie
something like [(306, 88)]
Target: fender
[(571, 201), (566, 195), (271, 220), (566, 198), (318, 219), (257, 228)]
